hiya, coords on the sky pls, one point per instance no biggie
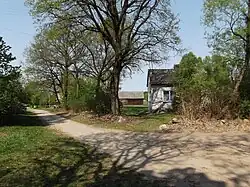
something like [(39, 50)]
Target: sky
[(18, 29)]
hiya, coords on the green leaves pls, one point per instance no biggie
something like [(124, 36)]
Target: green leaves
[(203, 85), (11, 93), (221, 10)]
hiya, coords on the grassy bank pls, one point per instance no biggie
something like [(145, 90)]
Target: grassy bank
[(135, 119), (32, 155)]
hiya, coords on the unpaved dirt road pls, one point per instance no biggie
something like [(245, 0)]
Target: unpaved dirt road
[(186, 160)]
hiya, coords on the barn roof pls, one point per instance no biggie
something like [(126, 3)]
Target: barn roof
[(160, 76), (131, 95)]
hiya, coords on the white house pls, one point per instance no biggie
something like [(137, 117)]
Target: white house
[(160, 89)]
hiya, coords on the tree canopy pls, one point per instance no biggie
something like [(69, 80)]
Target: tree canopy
[(11, 91), (136, 31), (204, 87), (228, 23)]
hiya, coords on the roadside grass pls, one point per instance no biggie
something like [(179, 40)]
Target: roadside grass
[(136, 124), (136, 119), (130, 110), (32, 155)]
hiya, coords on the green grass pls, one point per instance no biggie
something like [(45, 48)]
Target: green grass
[(32, 155), (134, 110), (136, 124), (137, 119)]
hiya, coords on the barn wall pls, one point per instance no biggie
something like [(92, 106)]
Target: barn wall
[(132, 101), (135, 101)]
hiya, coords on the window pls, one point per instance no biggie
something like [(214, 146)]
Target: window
[(167, 96)]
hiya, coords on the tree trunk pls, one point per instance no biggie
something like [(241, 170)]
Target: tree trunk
[(65, 90), (77, 87), (114, 84), (77, 82), (56, 93), (97, 95)]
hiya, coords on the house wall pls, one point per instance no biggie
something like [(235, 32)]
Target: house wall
[(156, 98)]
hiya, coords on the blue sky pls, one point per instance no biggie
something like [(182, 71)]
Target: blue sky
[(18, 30)]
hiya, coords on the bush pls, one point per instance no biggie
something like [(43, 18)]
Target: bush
[(203, 87), (89, 99), (245, 109)]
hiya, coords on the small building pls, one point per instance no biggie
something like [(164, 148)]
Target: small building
[(131, 98), (160, 89)]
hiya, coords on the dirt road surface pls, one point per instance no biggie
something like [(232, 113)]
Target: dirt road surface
[(185, 160)]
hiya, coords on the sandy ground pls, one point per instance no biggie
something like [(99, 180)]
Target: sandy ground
[(188, 160)]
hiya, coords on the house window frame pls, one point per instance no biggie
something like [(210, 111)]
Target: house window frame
[(170, 96)]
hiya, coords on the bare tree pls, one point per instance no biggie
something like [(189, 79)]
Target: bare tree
[(54, 53), (137, 30)]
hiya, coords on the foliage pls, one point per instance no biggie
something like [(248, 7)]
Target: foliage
[(31, 155), (134, 110), (89, 99), (203, 86), (148, 35), (11, 91), (38, 95), (59, 60), (228, 26), (245, 109)]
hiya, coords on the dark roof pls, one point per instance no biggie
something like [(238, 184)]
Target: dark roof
[(131, 95), (160, 76)]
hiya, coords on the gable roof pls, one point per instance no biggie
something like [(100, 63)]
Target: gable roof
[(131, 95), (160, 77)]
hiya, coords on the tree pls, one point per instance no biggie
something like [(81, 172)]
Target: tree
[(137, 31), (43, 72), (88, 57), (39, 95), (204, 87), (11, 92), (229, 21), (55, 55)]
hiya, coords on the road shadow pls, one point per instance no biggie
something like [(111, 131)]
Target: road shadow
[(176, 159), (136, 159), (71, 163), (30, 119)]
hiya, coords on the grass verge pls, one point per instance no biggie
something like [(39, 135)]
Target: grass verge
[(32, 155), (135, 117)]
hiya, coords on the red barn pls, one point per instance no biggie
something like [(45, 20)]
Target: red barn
[(131, 98)]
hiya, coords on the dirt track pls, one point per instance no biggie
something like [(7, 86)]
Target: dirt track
[(197, 159)]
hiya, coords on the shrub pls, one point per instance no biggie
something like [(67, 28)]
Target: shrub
[(245, 109), (89, 98), (203, 87)]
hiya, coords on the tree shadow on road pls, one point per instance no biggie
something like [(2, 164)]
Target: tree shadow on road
[(132, 159), (166, 159), (67, 162)]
